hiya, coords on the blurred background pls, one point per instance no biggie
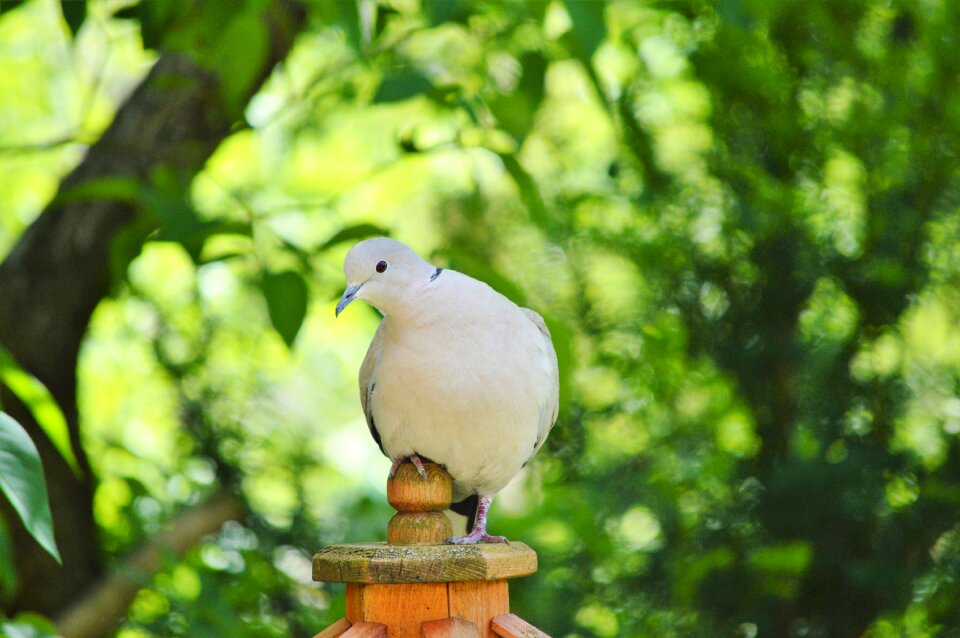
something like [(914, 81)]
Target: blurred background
[(740, 219)]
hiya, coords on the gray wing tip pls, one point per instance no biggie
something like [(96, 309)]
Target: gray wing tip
[(537, 321)]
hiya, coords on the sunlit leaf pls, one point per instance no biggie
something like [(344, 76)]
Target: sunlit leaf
[(23, 483), (286, 295), (28, 626), (42, 406), (350, 233)]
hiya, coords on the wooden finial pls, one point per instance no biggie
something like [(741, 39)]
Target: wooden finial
[(419, 503)]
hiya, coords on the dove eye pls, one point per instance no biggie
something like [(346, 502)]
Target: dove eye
[(381, 266)]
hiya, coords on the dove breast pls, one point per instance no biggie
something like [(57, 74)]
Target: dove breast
[(464, 377)]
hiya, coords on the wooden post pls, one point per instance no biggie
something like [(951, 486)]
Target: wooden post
[(417, 586)]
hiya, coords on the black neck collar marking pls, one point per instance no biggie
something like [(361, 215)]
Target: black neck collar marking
[(436, 273)]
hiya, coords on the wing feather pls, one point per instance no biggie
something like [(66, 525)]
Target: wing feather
[(551, 406), (368, 381)]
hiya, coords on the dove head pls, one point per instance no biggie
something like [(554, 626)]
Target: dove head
[(383, 272)]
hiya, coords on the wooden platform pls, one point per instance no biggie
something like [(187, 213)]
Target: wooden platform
[(382, 563)]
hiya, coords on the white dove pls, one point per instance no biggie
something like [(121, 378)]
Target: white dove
[(456, 373)]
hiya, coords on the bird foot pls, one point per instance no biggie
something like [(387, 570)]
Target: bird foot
[(413, 458), (475, 537)]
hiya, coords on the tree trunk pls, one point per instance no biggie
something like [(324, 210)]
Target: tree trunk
[(60, 269)]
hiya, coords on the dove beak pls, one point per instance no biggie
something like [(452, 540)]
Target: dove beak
[(348, 295)]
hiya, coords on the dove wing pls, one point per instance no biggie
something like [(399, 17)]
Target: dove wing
[(551, 405), (368, 381)]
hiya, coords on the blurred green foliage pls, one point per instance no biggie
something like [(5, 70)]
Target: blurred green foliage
[(740, 219)]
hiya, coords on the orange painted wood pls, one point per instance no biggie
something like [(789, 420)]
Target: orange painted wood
[(404, 607), (335, 630), (449, 628), (354, 602), (513, 626), (479, 601), (366, 630)]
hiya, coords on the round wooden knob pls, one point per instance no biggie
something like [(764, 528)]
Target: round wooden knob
[(407, 491), (419, 503)]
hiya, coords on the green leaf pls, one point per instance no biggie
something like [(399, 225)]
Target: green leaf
[(74, 12), (345, 15), (156, 18), (23, 483), (359, 231), (7, 5), (116, 188), (239, 55), (534, 67), (286, 295), (130, 12), (42, 406), (168, 201), (537, 9), (529, 191), (588, 26), (28, 626), (127, 245), (516, 111), (446, 11), (401, 86), (302, 256), (384, 15), (8, 568)]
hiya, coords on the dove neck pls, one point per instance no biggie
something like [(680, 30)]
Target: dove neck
[(410, 315), (417, 302)]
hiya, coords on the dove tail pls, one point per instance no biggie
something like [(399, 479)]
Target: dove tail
[(467, 507)]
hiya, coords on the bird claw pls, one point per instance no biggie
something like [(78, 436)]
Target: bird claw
[(475, 537), (422, 470), (413, 458)]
